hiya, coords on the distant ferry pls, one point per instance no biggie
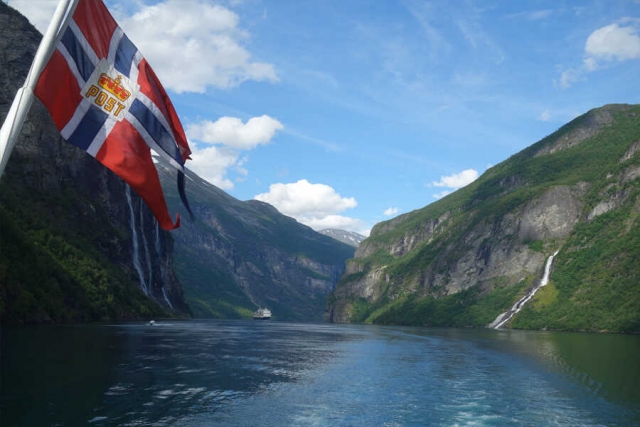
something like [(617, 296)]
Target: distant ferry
[(262, 314)]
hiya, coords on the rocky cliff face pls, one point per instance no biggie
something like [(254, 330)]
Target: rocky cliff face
[(494, 236), (53, 192), (237, 256)]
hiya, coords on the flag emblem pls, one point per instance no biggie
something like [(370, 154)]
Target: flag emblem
[(104, 98), (112, 95)]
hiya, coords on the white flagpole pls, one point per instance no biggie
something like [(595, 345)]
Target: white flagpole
[(24, 97)]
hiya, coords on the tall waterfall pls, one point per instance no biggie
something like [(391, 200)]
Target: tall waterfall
[(166, 299), (134, 236), (505, 317), (163, 267), (146, 248), (156, 239), (146, 282)]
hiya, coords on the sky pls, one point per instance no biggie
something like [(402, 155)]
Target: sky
[(342, 114)]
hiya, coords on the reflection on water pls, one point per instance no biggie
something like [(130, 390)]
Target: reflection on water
[(243, 373), (51, 374), (608, 364)]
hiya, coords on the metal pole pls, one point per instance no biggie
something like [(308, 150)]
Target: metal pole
[(24, 97)]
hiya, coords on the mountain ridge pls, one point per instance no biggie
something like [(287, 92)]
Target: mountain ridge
[(66, 252), (351, 238), (236, 256), (484, 245)]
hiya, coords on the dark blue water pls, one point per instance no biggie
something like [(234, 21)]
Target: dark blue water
[(244, 373)]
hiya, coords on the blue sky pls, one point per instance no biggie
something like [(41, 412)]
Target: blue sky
[(346, 113)]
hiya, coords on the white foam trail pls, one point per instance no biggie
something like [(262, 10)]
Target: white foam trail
[(134, 234), (505, 317)]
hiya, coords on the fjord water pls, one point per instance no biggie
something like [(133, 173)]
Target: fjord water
[(244, 373)]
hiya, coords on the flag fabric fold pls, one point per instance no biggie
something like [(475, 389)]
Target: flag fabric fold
[(104, 98)]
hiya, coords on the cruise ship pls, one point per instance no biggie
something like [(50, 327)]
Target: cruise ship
[(262, 314)]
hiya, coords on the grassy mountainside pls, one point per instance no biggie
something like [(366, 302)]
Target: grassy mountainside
[(239, 255), (467, 258), (52, 271)]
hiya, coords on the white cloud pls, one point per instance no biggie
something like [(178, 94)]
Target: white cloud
[(39, 13), (218, 146), (315, 205), (611, 43), (441, 194), (457, 180), (193, 45), (568, 77), (231, 132), (212, 163), (303, 198), (545, 116), (391, 211), (590, 64), (604, 47)]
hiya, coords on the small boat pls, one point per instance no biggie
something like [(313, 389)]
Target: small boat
[(262, 314)]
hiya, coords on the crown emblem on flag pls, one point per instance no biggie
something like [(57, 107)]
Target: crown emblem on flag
[(113, 86)]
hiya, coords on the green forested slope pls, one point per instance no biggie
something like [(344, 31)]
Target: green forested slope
[(52, 265), (595, 160), (65, 235), (236, 256)]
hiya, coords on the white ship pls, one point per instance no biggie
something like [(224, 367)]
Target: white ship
[(262, 314)]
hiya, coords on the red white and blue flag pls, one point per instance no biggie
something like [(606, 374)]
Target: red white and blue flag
[(104, 98)]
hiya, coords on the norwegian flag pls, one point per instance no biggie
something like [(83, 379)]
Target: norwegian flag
[(104, 98)]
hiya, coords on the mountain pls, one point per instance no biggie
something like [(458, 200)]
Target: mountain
[(77, 245), (349, 237), (236, 256), (67, 225), (468, 257)]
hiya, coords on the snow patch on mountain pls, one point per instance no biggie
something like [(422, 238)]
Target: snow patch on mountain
[(348, 237)]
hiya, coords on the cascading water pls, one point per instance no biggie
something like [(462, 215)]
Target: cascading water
[(136, 249), (163, 267), (156, 239), (166, 299), (146, 249), (505, 317)]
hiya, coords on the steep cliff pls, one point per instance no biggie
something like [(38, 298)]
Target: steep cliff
[(239, 255), (468, 257), (75, 244)]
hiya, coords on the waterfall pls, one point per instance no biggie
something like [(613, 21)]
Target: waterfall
[(164, 294), (136, 249), (146, 249), (156, 239), (163, 267), (505, 317)]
